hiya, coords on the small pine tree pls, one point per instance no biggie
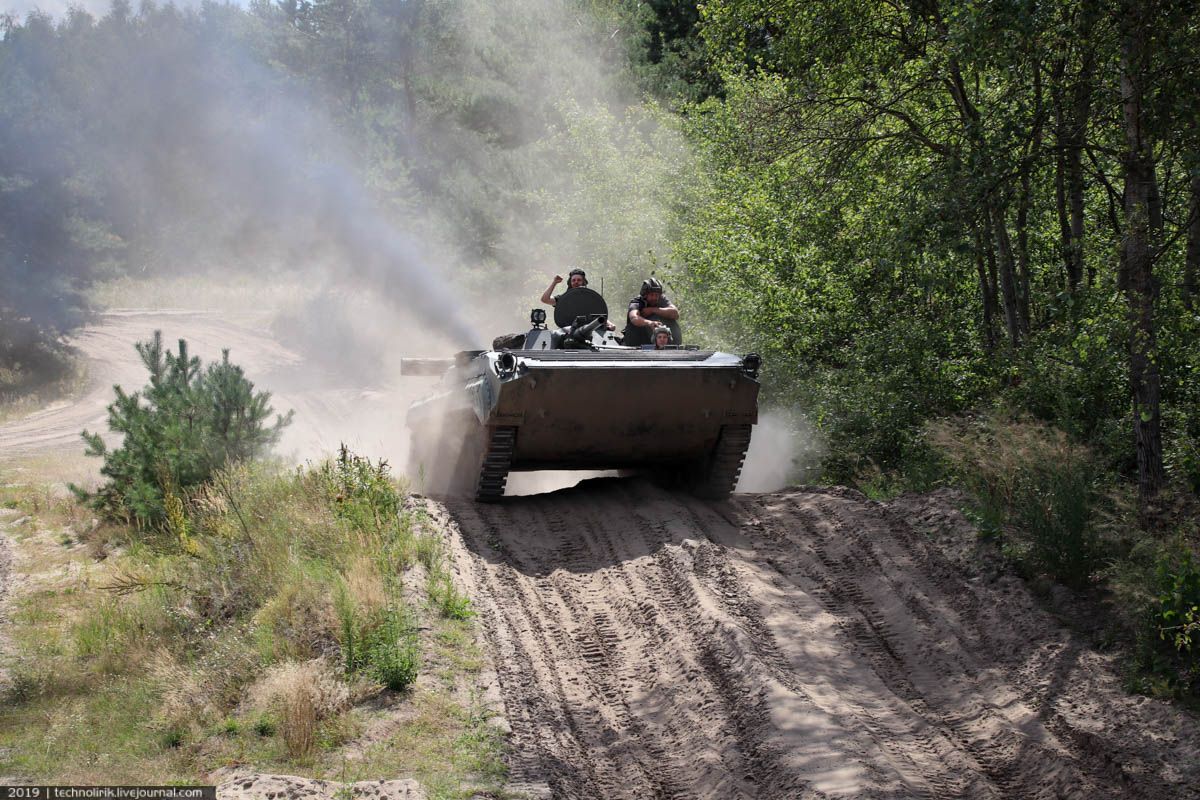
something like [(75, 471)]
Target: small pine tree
[(184, 425)]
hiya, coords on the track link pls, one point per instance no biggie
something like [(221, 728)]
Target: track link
[(497, 459), (725, 465)]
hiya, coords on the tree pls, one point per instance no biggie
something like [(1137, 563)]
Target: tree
[(178, 431)]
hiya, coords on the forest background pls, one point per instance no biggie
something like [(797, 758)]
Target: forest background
[(965, 236)]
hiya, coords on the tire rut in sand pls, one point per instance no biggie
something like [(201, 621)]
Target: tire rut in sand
[(805, 643)]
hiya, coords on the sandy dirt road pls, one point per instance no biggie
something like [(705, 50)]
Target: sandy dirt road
[(328, 411), (807, 643)]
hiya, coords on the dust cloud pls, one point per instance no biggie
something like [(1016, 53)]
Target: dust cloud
[(784, 449), (415, 226), (363, 230)]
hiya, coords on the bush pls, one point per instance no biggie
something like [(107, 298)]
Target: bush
[(377, 634), (1172, 647), (392, 654), (178, 431), (1033, 487)]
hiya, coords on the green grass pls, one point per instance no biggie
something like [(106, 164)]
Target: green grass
[(452, 749), (148, 666), (97, 736)]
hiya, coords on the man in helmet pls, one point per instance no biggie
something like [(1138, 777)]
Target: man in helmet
[(576, 279), (662, 337), (647, 311)]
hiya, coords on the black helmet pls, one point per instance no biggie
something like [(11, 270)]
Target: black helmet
[(580, 273), (651, 285)]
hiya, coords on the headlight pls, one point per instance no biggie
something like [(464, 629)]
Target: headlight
[(506, 364)]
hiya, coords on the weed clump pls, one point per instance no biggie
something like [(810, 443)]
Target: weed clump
[(1034, 490), (300, 695)]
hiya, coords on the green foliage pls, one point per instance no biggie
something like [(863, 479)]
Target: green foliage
[(1034, 488), (359, 491), (1168, 653), (176, 433), (377, 641), (393, 657), (450, 603)]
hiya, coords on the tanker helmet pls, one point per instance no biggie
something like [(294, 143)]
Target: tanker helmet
[(662, 329), (651, 285), (580, 273)]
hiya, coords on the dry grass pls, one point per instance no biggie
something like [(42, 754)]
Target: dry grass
[(365, 586), (301, 694), (239, 293)]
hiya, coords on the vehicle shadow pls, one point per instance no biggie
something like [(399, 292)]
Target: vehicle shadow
[(597, 524)]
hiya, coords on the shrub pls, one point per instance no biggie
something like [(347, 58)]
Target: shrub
[(392, 654), (1174, 620), (178, 431), (360, 491), (377, 636), (1033, 487)]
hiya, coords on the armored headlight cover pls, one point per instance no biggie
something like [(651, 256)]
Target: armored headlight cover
[(506, 364)]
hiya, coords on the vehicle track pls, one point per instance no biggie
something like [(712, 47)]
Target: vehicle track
[(800, 644)]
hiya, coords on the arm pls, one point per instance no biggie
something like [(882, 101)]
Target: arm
[(639, 321), (669, 311), (546, 298)]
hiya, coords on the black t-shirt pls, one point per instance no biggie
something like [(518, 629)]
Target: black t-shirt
[(634, 335)]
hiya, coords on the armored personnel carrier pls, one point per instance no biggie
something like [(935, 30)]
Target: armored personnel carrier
[(572, 397)]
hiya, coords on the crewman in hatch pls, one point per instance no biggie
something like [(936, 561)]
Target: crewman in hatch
[(647, 311), (576, 279)]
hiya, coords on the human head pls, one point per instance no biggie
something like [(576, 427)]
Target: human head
[(652, 290), (662, 336), (576, 279)]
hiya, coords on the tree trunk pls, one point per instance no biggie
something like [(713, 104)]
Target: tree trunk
[(1081, 113), (1143, 224), (1008, 282), (1191, 264), (987, 289), (1023, 201), (1074, 163)]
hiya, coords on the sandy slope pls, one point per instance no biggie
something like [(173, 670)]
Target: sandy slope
[(800, 644)]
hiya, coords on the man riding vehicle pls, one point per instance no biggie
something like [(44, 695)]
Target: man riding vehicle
[(649, 310), (576, 279), (662, 337)]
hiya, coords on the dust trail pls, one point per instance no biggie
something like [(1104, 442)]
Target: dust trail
[(784, 449)]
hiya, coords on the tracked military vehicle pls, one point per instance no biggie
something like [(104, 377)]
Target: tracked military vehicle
[(573, 398)]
